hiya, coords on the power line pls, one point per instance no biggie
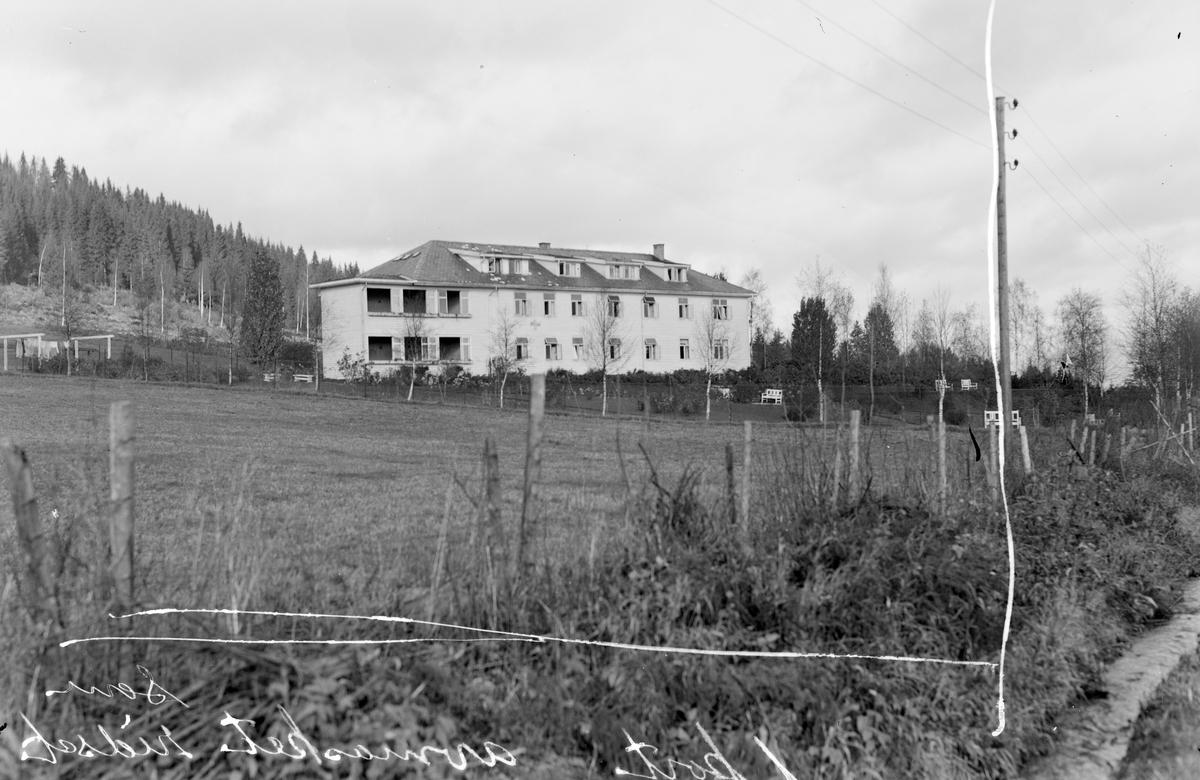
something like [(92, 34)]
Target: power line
[(1081, 227), (836, 72), (1077, 173), (1080, 202), (882, 53), (928, 40), (1044, 135)]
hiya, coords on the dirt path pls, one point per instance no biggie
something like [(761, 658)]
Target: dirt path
[(1098, 737)]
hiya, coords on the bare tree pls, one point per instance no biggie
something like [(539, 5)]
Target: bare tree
[(604, 346), (1151, 302), (714, 349), (416, 333), (761, 314), (505, 359), (943, 325), (818, 282), (1085, 337)]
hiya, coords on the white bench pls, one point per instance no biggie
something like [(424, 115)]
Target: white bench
[(268, 377), (967, 384), (772, 397), (302, 378), (993, 418), (941, 385)]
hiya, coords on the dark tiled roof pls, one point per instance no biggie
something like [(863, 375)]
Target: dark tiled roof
[(435, 262)]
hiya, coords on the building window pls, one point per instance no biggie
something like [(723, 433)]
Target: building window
[(576, 305), (420, 348), (721, 349), (614, 306), (548, 304), (568, 269), (379, 349), (452, 302), (685, 309), (552, 352), (675, 275), (649, 307), (454, 350), (720, 308), (522, 304), (414, 302), (651, 349), (614, 349), (522, 348), (520, 266), (685, 350), (379, 299), (629, 272), (577, 345), (614, 272)]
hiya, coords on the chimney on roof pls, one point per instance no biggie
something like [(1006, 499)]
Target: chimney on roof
[(659, 251), (544, 245)]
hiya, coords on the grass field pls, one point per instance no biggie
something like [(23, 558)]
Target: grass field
[(293, 502)]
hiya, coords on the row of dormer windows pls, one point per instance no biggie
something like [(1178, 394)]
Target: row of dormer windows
[(570, 268), (615, 307)]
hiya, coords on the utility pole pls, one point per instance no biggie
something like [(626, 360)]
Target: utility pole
[(1006, 405)]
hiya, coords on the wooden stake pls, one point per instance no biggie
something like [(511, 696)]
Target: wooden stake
[(120, 525), (1091, 442), (746, 456), (533, 463), (439, 560), (943, 483), (30, 534), (494, 541), (837, 467), (1191, 432), (1025, 451), (1104, 449), (852, 485), (990, 461), (730, 484)]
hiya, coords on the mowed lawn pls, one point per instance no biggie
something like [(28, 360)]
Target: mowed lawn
[(349, 492)]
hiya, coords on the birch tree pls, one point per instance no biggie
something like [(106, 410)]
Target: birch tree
[(1151, 302), (505, 359), (1084, 337), (605, 346), (714, 348)]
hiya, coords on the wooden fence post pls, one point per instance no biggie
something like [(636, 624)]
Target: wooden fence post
[(120, 523), (30, 534), (533, 463), (1091, 442), (991, 464), (852, 478), (746, 460), (1025, 451), (837, 467), (943, 483), (495, 548), (1191, 432), (730, 483)]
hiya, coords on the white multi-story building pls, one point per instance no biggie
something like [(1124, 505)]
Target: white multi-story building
[(538, 307)]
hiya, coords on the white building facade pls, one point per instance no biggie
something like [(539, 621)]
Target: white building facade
[(536, 308)]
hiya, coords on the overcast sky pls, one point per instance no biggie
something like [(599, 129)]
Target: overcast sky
[(363, 130)]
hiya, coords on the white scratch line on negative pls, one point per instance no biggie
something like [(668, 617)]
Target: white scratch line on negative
[(498, 636)]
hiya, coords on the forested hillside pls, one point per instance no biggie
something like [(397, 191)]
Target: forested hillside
[(63, 232)]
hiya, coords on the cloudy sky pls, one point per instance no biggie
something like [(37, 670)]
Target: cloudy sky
[(741, 133)]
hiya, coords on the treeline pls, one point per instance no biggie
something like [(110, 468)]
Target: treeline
[(63, 231), (901, 341)]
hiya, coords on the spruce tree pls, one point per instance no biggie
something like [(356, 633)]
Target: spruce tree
[(262, 312)]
